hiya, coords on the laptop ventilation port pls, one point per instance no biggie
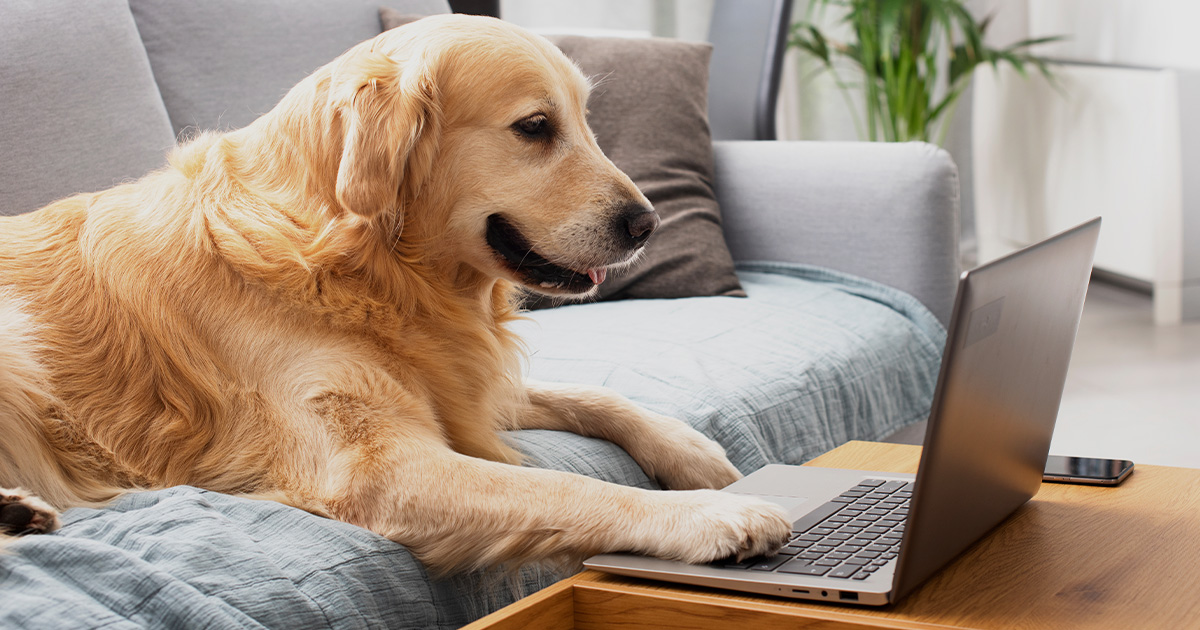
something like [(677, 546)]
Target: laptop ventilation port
[(848, 596)]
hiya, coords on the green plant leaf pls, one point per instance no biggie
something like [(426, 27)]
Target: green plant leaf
[(985, 23), (889, 26), (962, 63), (810, 39), (1026, 43), (946, 102), (916, 57)]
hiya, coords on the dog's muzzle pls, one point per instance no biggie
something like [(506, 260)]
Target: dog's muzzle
[(631, 226)]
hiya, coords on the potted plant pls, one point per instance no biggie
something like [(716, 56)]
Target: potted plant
[(916, 58)]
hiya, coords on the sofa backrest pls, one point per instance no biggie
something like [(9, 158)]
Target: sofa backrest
[(80, 110), (95, 93), (220, 64)]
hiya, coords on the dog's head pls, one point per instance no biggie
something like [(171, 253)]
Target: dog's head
[(472, 133)]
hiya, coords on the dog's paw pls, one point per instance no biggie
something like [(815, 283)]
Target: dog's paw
[(682, 458), (723, 525), (23, 513), (703, 465)]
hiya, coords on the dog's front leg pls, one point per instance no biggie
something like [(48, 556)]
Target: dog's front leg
[(668, 450), (457, 512), (391, 469)]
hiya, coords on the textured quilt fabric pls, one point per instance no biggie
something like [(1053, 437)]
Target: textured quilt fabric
[(189, 558), (811, 359)]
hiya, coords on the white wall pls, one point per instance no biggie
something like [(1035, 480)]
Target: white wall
[(1155, 33), (1119, 137), (1104, 141)]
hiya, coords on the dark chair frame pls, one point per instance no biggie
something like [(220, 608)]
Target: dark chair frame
[(749, 39)]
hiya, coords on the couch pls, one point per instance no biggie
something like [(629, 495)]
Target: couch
[(847, 253)]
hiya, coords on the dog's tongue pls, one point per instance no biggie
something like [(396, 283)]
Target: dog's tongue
[(597, 275)]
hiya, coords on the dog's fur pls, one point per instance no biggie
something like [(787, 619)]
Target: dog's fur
[(308, 309)]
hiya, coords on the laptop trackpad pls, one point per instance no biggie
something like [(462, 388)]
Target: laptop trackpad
[(793, 505)]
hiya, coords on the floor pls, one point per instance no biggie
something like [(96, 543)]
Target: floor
[(1133, 389)]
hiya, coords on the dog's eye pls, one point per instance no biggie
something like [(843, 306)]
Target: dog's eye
[(535, 127)]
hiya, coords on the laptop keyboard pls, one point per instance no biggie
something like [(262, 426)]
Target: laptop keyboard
[(850, 537)]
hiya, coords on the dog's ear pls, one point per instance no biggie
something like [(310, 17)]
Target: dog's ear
[(388, 113)]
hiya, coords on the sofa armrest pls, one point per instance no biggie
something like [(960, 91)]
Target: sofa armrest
[(888, 212)]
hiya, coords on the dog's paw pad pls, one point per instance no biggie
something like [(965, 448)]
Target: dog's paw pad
[(22, 513)]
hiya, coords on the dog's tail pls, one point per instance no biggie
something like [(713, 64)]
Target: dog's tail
[(28, 457)]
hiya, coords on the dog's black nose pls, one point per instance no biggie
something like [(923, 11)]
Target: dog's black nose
[(640, 222)]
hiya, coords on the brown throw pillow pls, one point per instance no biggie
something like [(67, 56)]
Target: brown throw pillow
[(649, 113)]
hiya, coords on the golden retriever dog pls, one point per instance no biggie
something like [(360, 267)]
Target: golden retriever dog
[(313, 309)]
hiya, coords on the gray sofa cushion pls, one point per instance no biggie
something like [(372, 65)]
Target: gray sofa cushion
[(80, 108), (220, 64), (887, 211)]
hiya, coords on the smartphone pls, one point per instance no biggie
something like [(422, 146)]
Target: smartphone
[(1087, 470)]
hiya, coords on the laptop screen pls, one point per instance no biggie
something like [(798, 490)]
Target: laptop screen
[(999, 390)]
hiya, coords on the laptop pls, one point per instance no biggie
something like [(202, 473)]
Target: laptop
[(872, 537)]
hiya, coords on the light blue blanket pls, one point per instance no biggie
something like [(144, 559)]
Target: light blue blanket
[(810, 360)]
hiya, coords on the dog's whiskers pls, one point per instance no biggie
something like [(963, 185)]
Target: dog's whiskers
[(532, 248)]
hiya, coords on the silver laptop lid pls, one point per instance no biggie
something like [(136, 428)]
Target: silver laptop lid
[(998, 393)]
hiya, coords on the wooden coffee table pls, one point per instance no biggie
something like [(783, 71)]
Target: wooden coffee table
[(1073, 557)]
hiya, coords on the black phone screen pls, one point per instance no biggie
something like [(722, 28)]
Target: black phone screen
[(1083, 468)]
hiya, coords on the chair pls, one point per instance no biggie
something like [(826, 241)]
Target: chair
[(749, 38)]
